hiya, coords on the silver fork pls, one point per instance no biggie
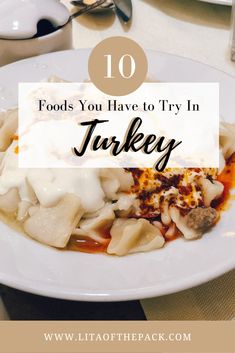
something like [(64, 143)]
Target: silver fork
[(107, 5), (86, 8)]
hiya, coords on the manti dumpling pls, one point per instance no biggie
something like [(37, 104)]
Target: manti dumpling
[(9, 201), (132, 235), (8, 127), (97, 226), (195, 223), (114, 181), (212, 190), (53, 226), (227, 139)]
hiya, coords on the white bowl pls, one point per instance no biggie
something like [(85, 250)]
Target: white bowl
[(33, 267), (16, 49)]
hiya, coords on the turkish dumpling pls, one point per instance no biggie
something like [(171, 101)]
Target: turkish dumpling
[(195, 223), (8, 126), (212, 190), (9, 201), (132, 235), (227, 139), (181, 223), (54, 226), (115, 181), (97, 227)]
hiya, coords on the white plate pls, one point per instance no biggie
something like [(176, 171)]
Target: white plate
[(30, 266), (220, 2)]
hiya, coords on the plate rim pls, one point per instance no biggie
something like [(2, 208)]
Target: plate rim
[(219, 2), (123, 295)]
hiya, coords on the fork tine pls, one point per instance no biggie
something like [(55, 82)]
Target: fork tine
[(87, 9)]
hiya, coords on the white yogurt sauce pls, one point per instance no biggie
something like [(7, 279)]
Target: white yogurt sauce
[(19, 18), (50, 185)]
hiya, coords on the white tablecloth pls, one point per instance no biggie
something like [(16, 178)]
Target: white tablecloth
[(189, 28)]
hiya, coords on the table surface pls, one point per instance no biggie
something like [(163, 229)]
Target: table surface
[(189, 28)]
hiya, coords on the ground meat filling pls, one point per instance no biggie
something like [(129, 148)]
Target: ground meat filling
[(202, 219)]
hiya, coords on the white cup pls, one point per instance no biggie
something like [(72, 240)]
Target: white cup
[(16, 49)]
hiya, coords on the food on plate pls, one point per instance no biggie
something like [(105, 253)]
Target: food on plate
[(118, 211)]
